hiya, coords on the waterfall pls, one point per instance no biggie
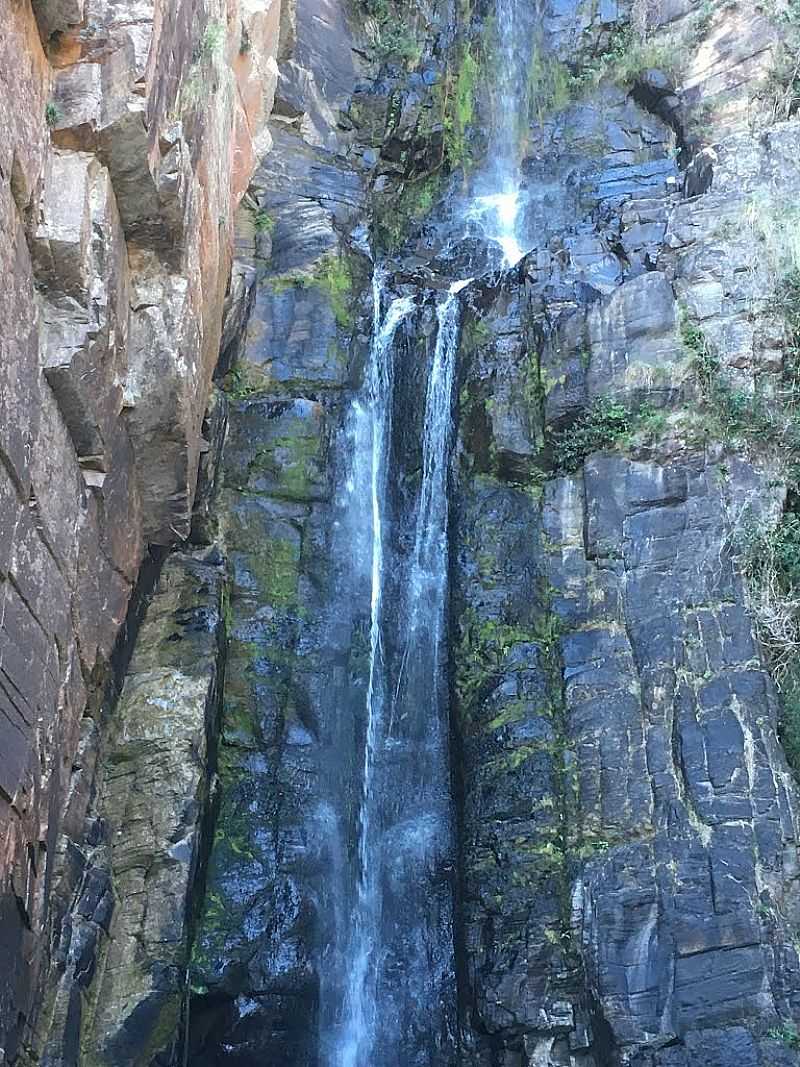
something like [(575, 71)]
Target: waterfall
[(429, 568), (360, 963), (395, 963), (395, 1004), (496, 206)]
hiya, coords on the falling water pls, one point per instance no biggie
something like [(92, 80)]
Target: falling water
[(373, 414), (496, 207), (394, 940), (429, 568), (397, 956)]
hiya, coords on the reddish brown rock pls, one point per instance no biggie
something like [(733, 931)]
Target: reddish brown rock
[(129, 131)]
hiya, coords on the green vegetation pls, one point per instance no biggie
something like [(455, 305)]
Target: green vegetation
[(264, 222), (391, 34), (788, 1034), (780, 90), (606, 424), (52, 114), (553, 84), (244, 381), (776, 227), (213, 39), (629, 55), (766, 418), (332, 276), (460, 115), (769, 559), (394, 217), (551, 87)]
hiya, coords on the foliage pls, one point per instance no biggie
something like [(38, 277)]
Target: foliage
[(264, 222), (393, 216), (213, 39), (776, 226), (787, 1033), (629, 55), (781, 87), (52, 114), (769, 559), (243, 381), (606, 424), (787, 305), (390, 33)]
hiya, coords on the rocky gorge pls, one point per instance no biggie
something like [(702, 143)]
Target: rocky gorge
[(399, 537)]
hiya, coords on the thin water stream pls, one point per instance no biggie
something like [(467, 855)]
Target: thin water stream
[(396, 984)]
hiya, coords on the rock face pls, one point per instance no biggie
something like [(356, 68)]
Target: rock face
[(130, 132), (623, 891), (121, 949)]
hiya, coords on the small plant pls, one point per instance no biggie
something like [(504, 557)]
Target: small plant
[(606, 424), (245, 44), (213, 39), (264, 222), (52, 114), (629, 54), (390, 34), (786, 304), (243, 381), (787, 1033)]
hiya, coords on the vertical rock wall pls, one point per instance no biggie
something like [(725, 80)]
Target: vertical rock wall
[(129, 133), (629, 821)]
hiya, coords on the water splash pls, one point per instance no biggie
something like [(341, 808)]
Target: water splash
[(498, 217)]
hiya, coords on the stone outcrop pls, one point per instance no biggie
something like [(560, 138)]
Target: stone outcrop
[(130, 132), (122, 918)]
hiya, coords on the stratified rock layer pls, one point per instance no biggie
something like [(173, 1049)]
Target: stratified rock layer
[(129, 134)]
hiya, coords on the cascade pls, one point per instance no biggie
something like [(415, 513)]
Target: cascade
[(394, 958)]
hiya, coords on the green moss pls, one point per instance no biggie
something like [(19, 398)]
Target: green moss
[(332, 275), (263, 221), (458, 109), (551, 85)]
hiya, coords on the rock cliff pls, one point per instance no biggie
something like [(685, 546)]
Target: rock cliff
[(130, 132), (185, 606)]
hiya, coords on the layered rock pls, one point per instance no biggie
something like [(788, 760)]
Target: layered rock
[(130, 134), (630, 824)]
